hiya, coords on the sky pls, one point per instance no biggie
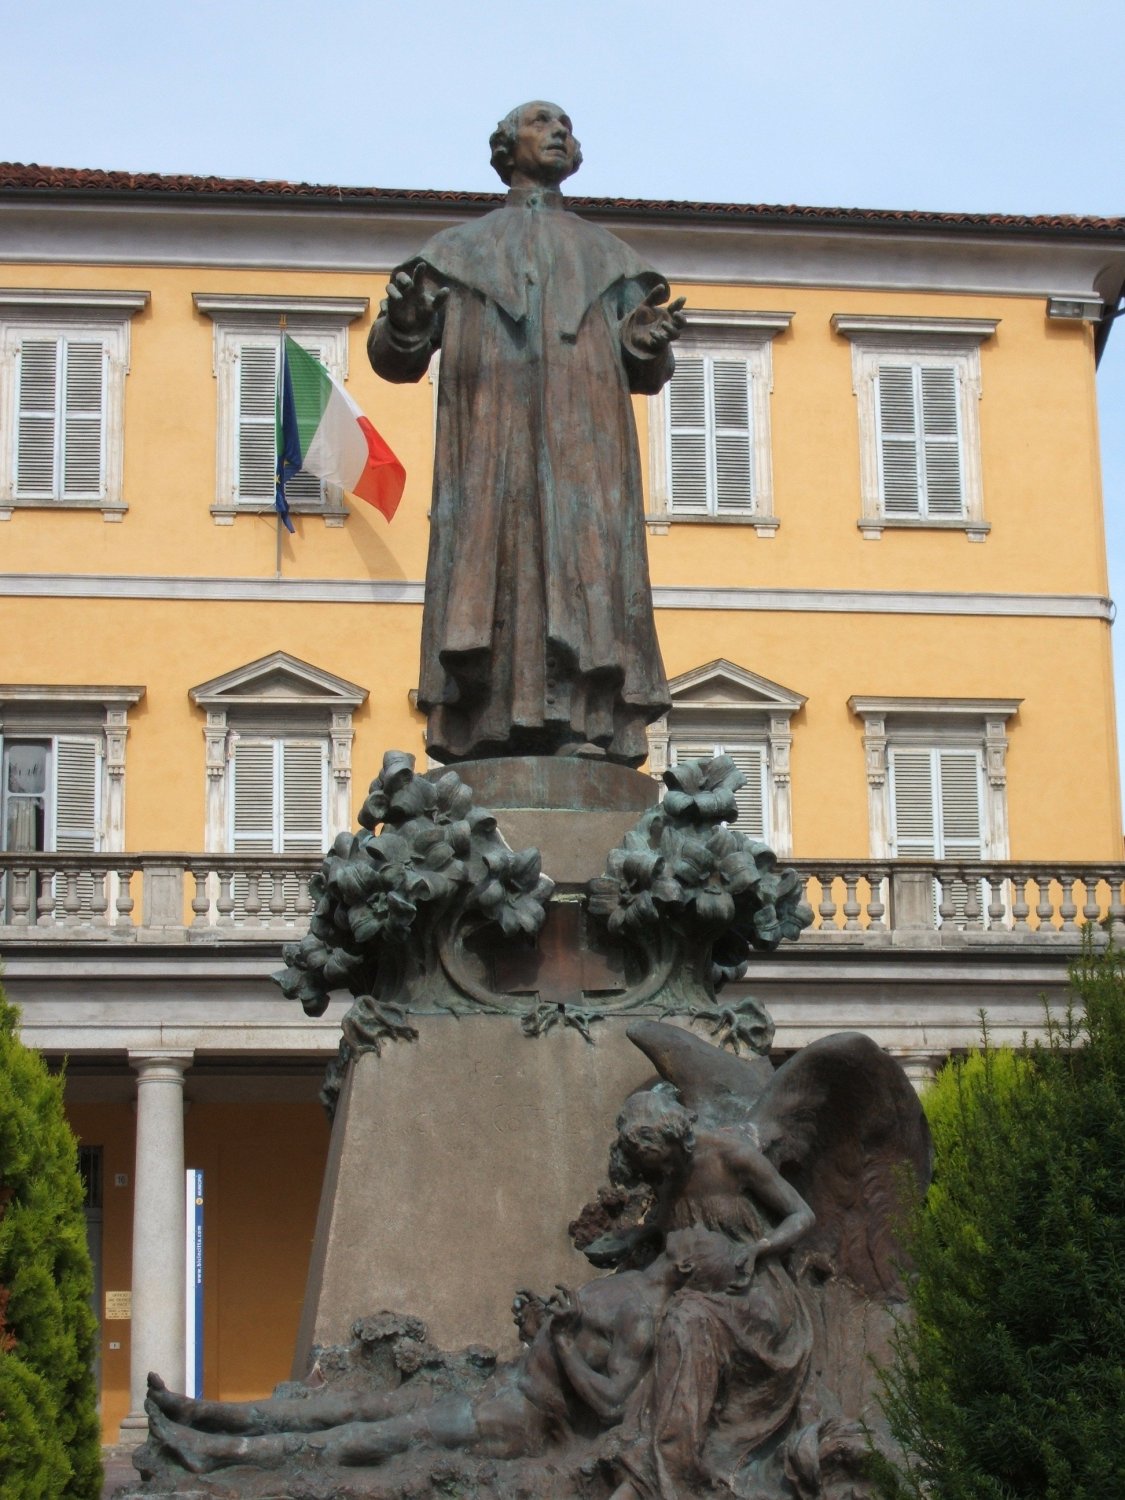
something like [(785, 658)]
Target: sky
[(992, 106)]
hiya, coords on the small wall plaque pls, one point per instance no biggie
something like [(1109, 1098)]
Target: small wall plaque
[(118, 1306)]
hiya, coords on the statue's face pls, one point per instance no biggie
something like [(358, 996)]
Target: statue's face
[(650, 1150), (717, 1263), (545, 149)]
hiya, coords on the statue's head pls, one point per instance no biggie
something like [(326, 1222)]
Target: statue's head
[(654, 1137), (708, 1261), (534, 143)]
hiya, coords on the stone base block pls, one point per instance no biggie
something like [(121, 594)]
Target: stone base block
[(457, 1162)]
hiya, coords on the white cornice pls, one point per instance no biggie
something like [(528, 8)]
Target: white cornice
[(239, 304), (871, 326), (256, 237), (71, 299), (944, 708), (767, 322), (45, 692), (389, 591)]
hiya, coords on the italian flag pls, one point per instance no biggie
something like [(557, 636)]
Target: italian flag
[(321, 430)]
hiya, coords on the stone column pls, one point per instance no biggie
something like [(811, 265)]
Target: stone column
[(920, 1067), (157, 1327)]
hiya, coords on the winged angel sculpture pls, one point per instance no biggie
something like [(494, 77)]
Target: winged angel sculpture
[(763, 1389), (750, 1228)]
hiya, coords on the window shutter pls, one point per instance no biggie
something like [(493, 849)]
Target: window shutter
[(254, 797), (941, 441), (752, 797), (303, 798), (84, 419), (731, 403), (37, 420), (687, 436), (912, 791), (898, 440), (257, 440), (76, 786), (76, 795), (959, 780), (257, 428)]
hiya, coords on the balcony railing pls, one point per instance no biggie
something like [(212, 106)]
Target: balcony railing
[(214, 898)]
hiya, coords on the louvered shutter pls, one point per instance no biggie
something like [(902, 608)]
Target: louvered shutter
[(76, 795), (257, 428), (912, 791), (254, 797), (941, 441), (730, 392), (76, 808), (37, 420), (752, 798), (898, 441), (83, 426), (303, 797), (687, 436), (959, 782)]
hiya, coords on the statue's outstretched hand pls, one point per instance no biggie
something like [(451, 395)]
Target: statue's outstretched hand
[(563, 1311), (410, 308), (653, 326)]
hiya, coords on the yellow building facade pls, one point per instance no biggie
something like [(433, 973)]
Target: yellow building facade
[(877, 551)]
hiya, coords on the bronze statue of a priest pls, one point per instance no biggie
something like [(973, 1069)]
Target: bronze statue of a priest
[(538, 634)]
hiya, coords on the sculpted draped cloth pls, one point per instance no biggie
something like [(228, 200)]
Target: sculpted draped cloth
[(538, 631)]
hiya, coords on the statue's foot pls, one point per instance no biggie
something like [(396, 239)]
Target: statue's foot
[(171, 1403), (189, 1449)]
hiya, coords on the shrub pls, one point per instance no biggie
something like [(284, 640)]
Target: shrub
[(49, 1432), (1010, 1378)]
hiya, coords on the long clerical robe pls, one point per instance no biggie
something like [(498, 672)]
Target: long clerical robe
[(538, 630)]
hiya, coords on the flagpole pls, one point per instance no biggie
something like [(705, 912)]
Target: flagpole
[(281, 324)]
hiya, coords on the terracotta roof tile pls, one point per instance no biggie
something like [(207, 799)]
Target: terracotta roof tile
[(17, 179)]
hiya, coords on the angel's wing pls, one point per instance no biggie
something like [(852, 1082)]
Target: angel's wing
[(842, 1123), (717, 1086)]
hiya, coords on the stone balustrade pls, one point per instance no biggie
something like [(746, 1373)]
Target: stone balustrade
[(209, 898)]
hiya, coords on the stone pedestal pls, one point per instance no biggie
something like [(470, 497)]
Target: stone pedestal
[(459, 1159), (573, 811), (457, 1163)]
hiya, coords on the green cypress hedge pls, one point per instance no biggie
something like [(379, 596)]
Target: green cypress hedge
[(1010, 1380), (50, 1447)]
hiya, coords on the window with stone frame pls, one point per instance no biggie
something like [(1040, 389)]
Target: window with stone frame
[(917, 384), (710, 426), (937, 785), (62, 765), (64, 356), (724, 709), (278, 739), (247, 354)]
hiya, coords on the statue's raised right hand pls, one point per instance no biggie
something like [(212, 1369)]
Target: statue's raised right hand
[(410, 307)]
